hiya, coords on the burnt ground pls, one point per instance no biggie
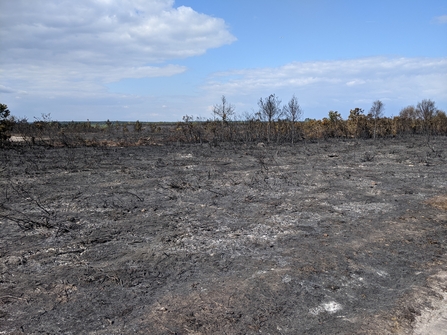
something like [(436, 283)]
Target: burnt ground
[(342, 237)]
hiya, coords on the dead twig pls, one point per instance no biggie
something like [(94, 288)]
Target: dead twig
[(215, 192)]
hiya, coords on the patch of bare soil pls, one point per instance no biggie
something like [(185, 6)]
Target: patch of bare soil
[(439, 202), (432, 319), (342, 237)]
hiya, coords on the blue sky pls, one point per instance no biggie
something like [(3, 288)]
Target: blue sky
[(157, 60)]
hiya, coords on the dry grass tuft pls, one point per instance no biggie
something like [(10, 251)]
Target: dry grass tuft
[(438, 202)]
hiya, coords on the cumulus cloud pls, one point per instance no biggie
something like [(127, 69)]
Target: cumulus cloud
[(55, 44)]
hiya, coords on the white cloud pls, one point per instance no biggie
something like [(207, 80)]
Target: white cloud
[(355, 82), (342, 84), (106, 32), (330, 73), (320, 86), (65, 79), (4, 89), (80, 45), (440, 19)]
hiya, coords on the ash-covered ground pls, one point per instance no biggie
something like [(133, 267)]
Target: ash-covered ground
[(339, 237)]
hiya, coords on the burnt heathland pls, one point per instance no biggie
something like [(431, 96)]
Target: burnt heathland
[(322, 237)]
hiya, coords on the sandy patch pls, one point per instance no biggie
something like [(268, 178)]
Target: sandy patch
[(433, 320), (439, 202)]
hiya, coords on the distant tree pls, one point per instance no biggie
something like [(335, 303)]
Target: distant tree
[(376, 112), (138, 126), (4, 112), (224, 110), (270, 108), (293, 112), (6, 123), (440, 123), (188, 127), (425, 111), (407, 119), (356, 122), (408, 112), (188, 118), (335, 123), (334, 116)]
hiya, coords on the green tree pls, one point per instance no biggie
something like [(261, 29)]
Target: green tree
[(4, 112), (6, 124)]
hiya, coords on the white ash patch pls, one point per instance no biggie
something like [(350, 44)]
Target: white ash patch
[(259, 273), (189, 167), (358, 207), (202, 240), (17, 139), (354, 281), (287, 220), (286, 279), (330, 307), (381, 273)]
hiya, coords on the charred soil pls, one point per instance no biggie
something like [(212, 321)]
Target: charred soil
[(331, 237)]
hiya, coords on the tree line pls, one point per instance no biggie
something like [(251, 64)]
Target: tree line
[(272, 122), (275, 123)]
